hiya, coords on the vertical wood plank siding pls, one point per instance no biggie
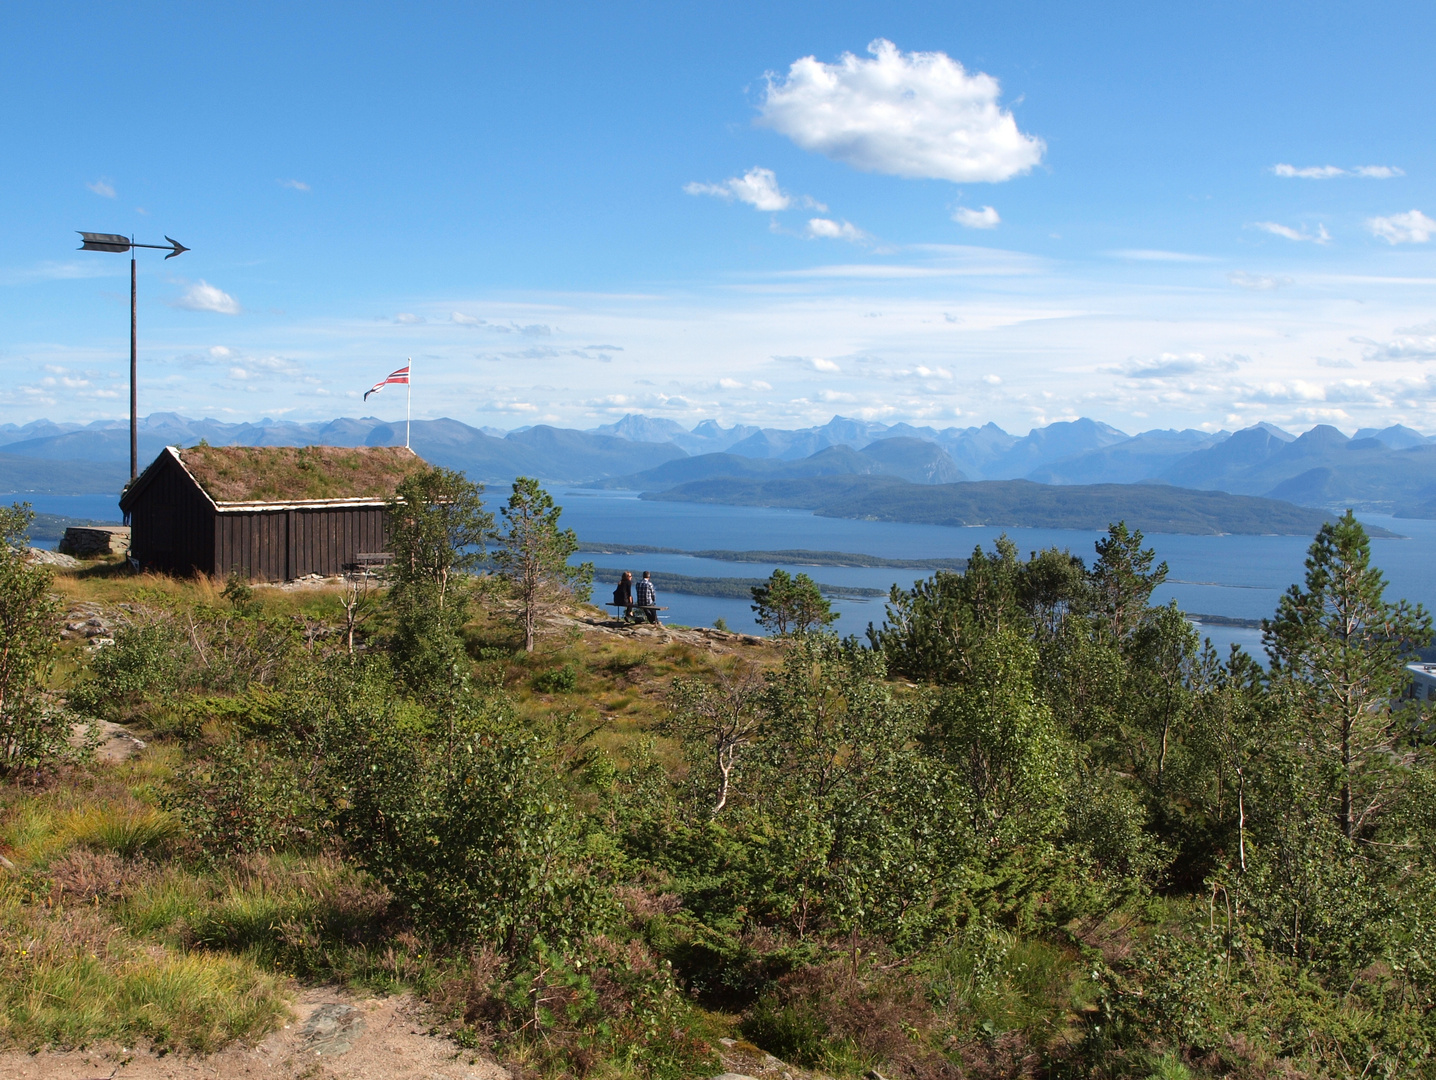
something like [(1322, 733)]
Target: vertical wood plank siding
[(176, 530)]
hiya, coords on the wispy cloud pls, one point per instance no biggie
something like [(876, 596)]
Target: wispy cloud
[(202, 296), (104, 187), (1412, 227), (1417, 344), (917, 115), (1331, 172), (408, 318), (1157, 255), (986, 218), (1257, 282), (1321, 236), (296, 185)]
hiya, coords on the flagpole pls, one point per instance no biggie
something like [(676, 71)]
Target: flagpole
[(409, 406)]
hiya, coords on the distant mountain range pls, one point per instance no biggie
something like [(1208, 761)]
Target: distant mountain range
[(1392, 470)]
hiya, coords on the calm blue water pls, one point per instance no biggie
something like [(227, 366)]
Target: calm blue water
[(1235, 576)]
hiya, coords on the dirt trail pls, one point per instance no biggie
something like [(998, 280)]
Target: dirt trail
[(332, 1036)]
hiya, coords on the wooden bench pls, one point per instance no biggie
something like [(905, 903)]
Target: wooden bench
[(368, 562), (627, 610)]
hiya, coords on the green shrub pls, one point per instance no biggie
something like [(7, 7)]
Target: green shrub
[(148, 662), (561, 680), (242, 799)]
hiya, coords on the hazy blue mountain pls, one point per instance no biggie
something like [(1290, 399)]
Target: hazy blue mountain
[(917, 460), (1391, 469), (638, 428), (545, 452), (911, 459), (1042, 446), (1397, 436), (1012, 503), (1142, 457), (1223, 464), (710, 437)]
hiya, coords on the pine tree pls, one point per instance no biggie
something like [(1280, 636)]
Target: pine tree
[(1339, 650), (534, 552), (791, 605)]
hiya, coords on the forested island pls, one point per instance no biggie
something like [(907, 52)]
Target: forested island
[(1028, 827)]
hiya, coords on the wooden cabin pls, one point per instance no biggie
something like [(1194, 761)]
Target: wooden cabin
[(274, 513)]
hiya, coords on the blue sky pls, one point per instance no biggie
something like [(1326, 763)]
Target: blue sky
[(1157, 215)]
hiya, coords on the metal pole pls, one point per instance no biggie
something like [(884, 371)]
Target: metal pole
[(409, 403), (134, 393)]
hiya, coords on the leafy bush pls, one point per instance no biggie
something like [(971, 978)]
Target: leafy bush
[(32, 730), (560, 680), (469, 828), (242, 799), (568, 1013)]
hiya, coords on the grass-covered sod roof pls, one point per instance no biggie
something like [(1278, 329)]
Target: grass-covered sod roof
[(291, 473)]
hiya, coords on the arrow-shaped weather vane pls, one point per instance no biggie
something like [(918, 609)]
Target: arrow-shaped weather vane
[(103, 241), (100, 241)]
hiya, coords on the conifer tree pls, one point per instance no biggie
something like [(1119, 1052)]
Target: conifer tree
[(791, 605), (533, 554), (1339, 649)]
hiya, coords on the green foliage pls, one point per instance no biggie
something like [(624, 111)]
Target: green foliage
[(241, 800), (533, 555), (437, 529), (33, 731), (788, 605), (239, 592), (1009, 762), (1123, 578), (467, 825), (1339, 649), (559, 680)]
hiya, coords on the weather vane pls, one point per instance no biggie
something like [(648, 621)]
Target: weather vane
[(98, 241)]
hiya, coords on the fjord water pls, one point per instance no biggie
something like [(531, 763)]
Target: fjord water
[(1233, 576)]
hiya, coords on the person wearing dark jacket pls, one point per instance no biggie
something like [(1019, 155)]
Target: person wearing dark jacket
[(647, 598), (623, 593)]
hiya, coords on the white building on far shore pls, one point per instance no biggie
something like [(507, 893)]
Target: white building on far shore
[(1423, 681)]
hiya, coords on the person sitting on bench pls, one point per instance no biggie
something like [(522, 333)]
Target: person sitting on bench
[(647, 598), (623, 593)]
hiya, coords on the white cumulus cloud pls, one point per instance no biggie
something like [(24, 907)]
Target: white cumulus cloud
[(917, 115), (758, 187), (1329, 172), (1412, 227), (986, 218), (202, 296), (102, 187), (819, 364), (828, 229)]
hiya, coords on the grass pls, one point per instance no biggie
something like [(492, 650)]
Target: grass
[(69, 977)]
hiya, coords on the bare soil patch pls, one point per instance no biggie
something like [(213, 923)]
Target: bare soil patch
[(332, 1035)]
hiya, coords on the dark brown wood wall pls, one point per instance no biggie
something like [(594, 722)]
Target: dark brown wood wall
[(278, 545), (172, 524), (176, 530)]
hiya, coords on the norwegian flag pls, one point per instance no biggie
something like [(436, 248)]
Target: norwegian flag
[(401, 377)]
